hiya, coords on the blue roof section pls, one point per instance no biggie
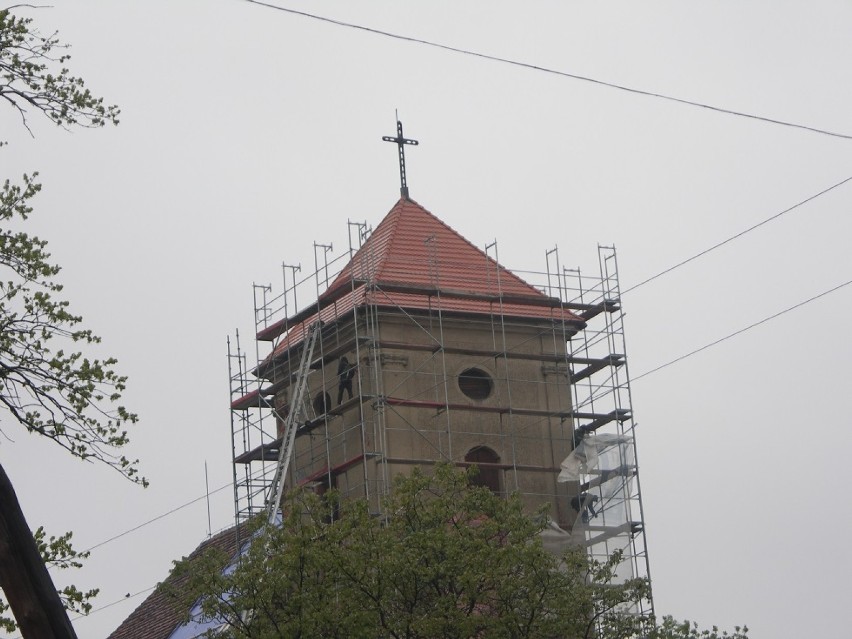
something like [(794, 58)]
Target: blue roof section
[(198, 624)]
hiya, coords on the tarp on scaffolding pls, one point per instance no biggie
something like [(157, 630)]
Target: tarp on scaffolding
[(597, 454)]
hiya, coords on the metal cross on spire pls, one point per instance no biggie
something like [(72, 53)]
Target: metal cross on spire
[(401, 141)]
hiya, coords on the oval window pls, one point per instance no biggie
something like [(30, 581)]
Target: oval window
[(475, 383)]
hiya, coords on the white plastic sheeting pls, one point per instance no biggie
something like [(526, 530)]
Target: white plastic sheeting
[(603, 467), (604, 452)]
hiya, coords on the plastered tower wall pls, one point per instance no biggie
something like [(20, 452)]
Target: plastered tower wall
[(408, 407)]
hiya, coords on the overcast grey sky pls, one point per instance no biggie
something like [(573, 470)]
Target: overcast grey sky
[(249, 133)]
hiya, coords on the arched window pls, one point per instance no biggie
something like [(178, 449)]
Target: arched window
[(488, 475)]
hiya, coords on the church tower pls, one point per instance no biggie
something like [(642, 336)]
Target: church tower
[(418, 348)]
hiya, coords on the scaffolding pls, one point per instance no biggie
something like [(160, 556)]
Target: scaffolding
[(604, 459), (540, 403)]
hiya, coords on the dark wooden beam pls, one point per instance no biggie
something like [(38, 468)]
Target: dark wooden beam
[(23, 575)]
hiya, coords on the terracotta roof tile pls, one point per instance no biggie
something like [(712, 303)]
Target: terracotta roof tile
[(412, 246), (411, 257), (157, 617)]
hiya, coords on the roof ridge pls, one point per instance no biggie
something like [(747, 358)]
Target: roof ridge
[(391, 220)]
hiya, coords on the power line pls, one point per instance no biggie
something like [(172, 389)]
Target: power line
[(743, 330), (682, 357), (642, 283), (126, 597), (645, 374), (736, 236), (694, 352), (564, 74), (158, 517), (230, 484), (114, 603)]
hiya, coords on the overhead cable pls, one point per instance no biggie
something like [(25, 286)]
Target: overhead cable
[(115, 603), (742, 330), (564, 74), (635, 378), (158, 517), (738, 235)]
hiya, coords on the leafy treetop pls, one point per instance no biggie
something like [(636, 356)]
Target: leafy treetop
[(57, 552), (449, 560), (33, 76), (45, 384)]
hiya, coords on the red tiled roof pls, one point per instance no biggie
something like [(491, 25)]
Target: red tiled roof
[(157, 616), (414, 260), (413, 247)]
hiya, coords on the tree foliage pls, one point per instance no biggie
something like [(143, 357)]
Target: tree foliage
[(449, 561), (47, 385), (34, 76), (57, 552), (672, 629)]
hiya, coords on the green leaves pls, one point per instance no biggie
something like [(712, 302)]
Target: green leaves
[(672, 629), (448, 560), (45, 384), (57, 552), (33, 77)]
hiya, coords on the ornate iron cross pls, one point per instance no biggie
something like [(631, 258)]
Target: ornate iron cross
[(401, 141)]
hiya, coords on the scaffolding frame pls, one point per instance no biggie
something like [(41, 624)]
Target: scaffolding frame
[(588, 380), (603, 385)]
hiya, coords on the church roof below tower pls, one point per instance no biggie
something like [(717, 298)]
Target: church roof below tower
[(158, 616)]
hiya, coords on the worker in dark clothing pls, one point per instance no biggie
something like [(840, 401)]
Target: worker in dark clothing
[(584, 504), (345, 373)]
